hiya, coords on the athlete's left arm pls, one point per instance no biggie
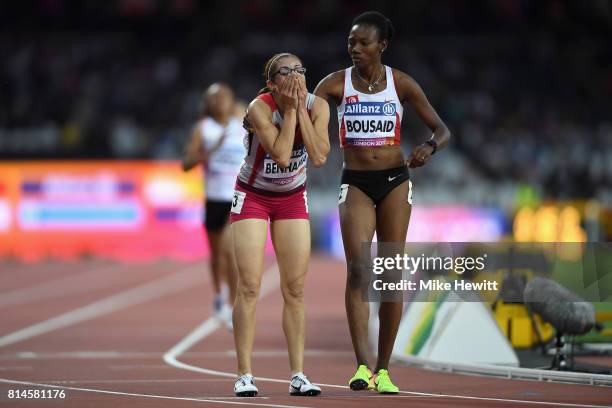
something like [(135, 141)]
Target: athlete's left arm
[(409, 91), (314, 129)]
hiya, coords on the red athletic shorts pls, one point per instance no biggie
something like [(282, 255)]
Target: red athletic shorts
[(250, 203)]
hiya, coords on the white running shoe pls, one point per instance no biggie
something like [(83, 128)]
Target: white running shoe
[(301, 385), (245, 386)]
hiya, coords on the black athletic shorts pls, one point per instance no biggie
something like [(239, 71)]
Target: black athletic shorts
[(376, 184), (217, 214)]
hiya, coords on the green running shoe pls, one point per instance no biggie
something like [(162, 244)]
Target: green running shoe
[(383, 383), (362, 379)]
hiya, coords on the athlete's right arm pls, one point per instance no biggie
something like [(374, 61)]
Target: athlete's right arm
[(331, 87), (194, 151), (277, 143)]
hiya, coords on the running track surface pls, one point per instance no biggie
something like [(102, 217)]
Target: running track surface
[(129, 347)]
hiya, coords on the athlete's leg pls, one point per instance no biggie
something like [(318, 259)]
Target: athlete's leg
[(357, 222), (229, 267), (291, 239), (392, 217), (249, 236), (215, 237)]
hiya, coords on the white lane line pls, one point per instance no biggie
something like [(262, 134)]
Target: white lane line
[(213, 400), (269, 282), (167, 285), (75, 283), (209, 326), (138, 367), (125, 381), (120, 355), (202, 370), (392, 396)]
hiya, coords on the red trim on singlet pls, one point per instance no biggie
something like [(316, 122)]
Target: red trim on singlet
[(343, 82), (269, 100), (342, 133), (398, 121), (260, 154), (398, 129), (259, 158), (342, 128)]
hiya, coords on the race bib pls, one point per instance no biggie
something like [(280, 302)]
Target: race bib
[(343, 193), (297, 164), (372, 122), (409, 199), (238, 201)]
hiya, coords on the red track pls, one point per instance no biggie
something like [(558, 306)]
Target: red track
[(103, 354)]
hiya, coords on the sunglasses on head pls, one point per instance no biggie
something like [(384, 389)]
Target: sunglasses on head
[(284, 71)]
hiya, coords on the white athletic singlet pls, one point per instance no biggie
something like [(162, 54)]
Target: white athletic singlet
[(224, 163), (369, 120), (261, 172)]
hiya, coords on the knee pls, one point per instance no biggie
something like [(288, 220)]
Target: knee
[(355, 272), (293, 292), (248, 291)]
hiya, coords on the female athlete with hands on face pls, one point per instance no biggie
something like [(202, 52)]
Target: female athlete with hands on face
[(375, 194), (289, 126)]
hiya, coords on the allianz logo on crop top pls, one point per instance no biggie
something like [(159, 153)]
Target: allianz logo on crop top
[(370, 109)]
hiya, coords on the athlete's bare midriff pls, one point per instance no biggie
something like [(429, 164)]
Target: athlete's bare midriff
[(373, 158)]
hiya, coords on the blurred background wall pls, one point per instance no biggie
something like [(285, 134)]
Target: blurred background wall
[(524, 86)]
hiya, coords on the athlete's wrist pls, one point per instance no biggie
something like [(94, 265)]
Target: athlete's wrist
[(433, 144)]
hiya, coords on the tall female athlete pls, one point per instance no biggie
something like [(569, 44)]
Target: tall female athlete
[(217, 143), (290, 126), (375, 194)]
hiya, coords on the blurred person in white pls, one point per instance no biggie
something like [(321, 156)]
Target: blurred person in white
[(216, 143)]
